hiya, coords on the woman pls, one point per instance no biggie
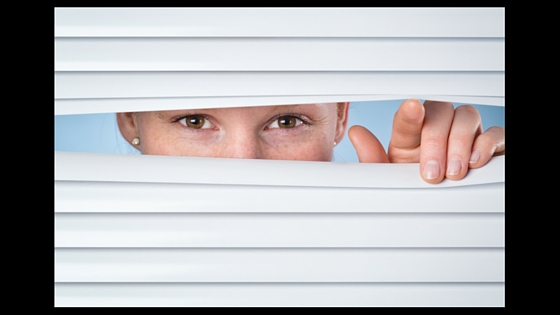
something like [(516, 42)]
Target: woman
[(445, 141)]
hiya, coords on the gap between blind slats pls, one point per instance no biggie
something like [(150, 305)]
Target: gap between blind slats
[(257, 22)]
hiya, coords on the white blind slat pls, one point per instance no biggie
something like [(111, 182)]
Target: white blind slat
[(138, 197), (85, 85), (280, 22), (279, 265), (163, 169), (166, 230), (280, 294), (273, 54)]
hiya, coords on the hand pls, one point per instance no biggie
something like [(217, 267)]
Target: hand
[(446, 141)]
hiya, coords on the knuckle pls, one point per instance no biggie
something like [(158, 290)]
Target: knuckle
[(397, 155), (467, 110), (459, 142), (434, 143), (445, 105), (497, 130), (485, 141)]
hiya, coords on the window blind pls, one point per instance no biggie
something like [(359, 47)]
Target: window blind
[(178, 231), (148, 59)]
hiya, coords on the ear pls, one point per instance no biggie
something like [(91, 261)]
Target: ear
[(342, 121), (128, 126)]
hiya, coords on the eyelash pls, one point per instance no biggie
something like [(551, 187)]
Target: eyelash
[(205, 117), (301, 119)]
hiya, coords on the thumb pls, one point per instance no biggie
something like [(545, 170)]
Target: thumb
[(368, 148)]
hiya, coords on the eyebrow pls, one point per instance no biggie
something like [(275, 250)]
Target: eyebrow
[(297, 106)]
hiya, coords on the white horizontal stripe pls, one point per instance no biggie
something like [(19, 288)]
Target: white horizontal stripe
[(320, 22), (71, 166), (278, 230), (279, 294), (275, 54), (92, 106), (279, 265), (84, 85), (130, 197)]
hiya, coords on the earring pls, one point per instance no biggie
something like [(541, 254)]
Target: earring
[(136, 141), (335, 143)]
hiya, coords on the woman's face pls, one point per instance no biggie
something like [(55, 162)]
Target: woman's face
[(286, 132)]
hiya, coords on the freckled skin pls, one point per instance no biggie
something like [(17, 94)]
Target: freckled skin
[(243, 132)]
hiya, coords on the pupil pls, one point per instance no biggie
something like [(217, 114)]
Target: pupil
[(287, 122), (195, 122)]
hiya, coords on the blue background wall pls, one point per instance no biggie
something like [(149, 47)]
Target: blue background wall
[(99, 132)]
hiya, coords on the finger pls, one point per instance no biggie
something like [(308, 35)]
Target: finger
[(466, 126), (368, 148), (433, 149), (490, 143), (407, 130)]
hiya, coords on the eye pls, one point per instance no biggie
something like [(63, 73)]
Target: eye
[(286, 122), (196, 122)]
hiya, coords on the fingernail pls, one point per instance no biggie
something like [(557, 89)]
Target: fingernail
[(475, 156), (431, 169), (454, 166)]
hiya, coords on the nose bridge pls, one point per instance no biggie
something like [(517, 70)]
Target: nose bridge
[(243, 144)]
